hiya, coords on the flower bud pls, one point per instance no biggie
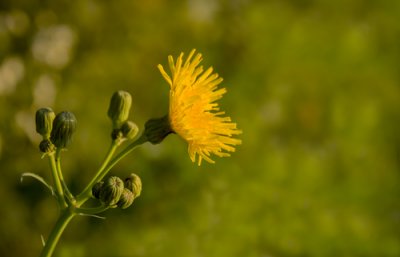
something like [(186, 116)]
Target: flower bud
[(44, 121), (126, 199), (134, 184), (111, 191), (129, 130), (64, 126), (46, 146), (96, 189), (119, 108), (116, 134), (157, 129)]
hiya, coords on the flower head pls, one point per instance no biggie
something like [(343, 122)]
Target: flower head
[(193, 112)]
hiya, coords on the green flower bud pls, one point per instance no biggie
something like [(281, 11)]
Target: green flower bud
[(96, 189), (129, 130), (44, 121), (116, 134), (111, 191), (157, 129), (134, 184), (119, 108), (126, 199), (46, 146), (64, 126)]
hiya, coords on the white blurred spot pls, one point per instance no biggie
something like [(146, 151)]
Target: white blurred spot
[(11, 72), (44, 91), (26, 121), (202, 10), (53, 45), (271, 112), (152, 151)]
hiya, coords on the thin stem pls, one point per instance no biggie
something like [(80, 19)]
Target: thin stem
[(85, 194), (106, 167), (56, 181), (92, 211), (61, 177), (124, 153), (69, 210), (62, 222)]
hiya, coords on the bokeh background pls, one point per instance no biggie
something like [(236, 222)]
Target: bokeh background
[(313, 84)]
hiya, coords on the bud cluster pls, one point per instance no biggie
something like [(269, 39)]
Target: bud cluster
[(114, 192), (56, 130), (118, 112)]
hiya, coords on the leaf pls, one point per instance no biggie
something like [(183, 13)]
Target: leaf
[(92, 215), (43, 242), (38, 178)]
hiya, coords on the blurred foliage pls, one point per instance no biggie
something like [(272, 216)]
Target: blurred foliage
[(314, 85)]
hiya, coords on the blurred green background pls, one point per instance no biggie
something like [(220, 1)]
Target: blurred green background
[(314, 85)]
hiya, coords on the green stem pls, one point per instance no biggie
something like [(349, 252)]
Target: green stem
[(56, 181), (106, 167), (61, 177), (124, 153), (62, 222), (85, 194), (68, 213)]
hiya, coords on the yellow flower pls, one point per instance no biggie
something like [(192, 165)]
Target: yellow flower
[(193, 112)]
